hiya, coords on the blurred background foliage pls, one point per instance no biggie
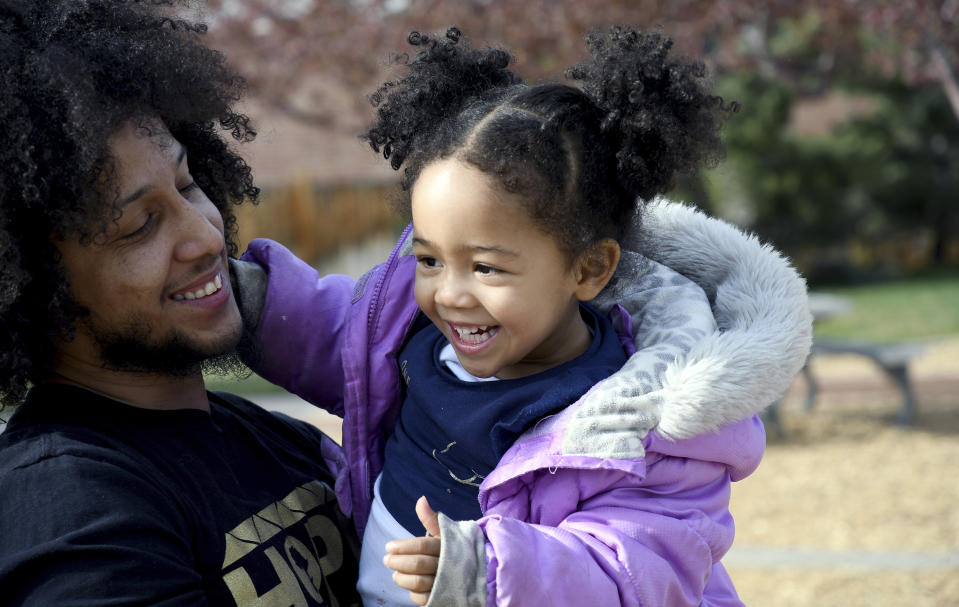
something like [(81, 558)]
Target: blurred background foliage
[(845, 154)]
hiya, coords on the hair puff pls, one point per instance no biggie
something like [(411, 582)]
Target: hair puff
[(657, 107), (442, 78)]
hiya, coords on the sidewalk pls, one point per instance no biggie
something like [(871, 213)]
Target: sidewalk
[(295, 406), (750, 557)]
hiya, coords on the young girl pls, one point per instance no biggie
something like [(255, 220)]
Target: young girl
[(550, 490)]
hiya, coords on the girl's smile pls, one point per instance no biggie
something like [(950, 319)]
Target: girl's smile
[(472, 340)]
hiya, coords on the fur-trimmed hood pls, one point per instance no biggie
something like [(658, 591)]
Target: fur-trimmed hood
[(724, 325)]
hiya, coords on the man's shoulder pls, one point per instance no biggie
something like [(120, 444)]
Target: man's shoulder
[(75, 475), (52, 448), (60, 421)]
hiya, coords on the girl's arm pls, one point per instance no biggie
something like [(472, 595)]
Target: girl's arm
[(299, 322)]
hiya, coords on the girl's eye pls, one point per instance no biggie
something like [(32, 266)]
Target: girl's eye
[(482, 268), (428, 262), (188, 188)]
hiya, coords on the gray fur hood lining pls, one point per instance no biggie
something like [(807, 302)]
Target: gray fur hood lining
[(708, 356)]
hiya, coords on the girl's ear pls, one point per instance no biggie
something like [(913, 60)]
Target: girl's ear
[(595, 267)]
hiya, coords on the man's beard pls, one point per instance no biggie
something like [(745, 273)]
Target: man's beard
[(130, 347)]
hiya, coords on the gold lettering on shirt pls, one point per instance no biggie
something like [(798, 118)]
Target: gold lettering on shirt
[(300, 566), (286, 593), (245, 537)]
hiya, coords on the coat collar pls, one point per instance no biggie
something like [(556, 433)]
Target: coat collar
[(724, 326)]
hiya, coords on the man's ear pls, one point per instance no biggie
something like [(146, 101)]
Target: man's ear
[(595, 267)]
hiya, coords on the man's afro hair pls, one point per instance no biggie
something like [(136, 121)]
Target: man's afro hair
[(72, 72)]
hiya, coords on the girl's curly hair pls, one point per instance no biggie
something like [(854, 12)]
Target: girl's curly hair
[(582, 158), (72, 72)]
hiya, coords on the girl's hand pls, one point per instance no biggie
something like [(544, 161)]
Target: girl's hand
[(415, 561)]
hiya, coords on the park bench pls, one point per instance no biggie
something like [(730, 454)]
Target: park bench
[(893, 359)]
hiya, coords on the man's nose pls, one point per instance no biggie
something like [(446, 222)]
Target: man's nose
[(199, 231)]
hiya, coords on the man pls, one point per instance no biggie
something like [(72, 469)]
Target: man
[(122, 480)]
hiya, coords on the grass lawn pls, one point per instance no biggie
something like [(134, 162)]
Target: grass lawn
[(909, 309), (254, 384)]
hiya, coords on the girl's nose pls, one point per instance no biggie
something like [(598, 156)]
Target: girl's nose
[(453, 292)]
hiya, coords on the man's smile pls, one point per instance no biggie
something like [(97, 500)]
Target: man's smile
[(207, 289)]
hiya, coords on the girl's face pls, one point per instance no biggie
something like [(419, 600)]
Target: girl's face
[(498, 287)]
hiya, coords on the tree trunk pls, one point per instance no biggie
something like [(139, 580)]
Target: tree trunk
[(947, 77)]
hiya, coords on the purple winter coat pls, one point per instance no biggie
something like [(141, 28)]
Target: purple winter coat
[(620, 499)]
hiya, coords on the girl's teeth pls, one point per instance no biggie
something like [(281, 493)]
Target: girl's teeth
[(477, 335), (477, 330)]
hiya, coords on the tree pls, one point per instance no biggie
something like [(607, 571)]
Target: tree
[(790, 189), (910, 150), (282, 47)]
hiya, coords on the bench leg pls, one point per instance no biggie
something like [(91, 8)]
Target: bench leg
[(772, 421), (811, 388), (900, 374)]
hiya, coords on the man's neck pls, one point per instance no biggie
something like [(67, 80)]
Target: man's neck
[(145, 390)]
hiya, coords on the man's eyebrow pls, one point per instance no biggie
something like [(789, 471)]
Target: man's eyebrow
[(472, 247), (139, 192)]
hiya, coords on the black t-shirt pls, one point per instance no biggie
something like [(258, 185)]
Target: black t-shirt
[(102, 503)]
